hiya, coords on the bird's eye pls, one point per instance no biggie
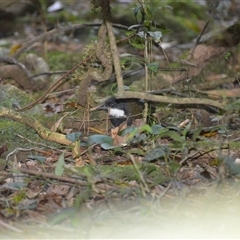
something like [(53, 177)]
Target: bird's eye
[(112, 104)]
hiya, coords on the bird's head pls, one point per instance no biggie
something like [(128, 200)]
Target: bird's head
[(120, 110)]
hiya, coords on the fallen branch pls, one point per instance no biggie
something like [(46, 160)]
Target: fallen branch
[(166, 99), (52, 176), (42, 131)]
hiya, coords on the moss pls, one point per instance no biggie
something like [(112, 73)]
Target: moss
[(123, 173), (11, 96), (62, 60), (9, 135)]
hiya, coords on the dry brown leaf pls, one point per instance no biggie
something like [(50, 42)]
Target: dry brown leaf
[(56, 125), (58, 189)]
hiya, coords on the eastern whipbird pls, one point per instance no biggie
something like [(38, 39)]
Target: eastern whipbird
[(121, 110)]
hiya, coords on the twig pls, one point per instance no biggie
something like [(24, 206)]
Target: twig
[(147, 190), (115, 56), (40, 144), (11, 60), (202, 32), (49, 73), (115, 60), (52, 176), (166, 190), (44, 36), (54, 86), (19, 149)]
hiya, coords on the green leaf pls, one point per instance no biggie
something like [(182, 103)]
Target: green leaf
[(146, 128), (137, 45), (128, 130), (107, 146), (136, 10), (141, 34), (129, 33), (59, 169), (73, 137), (227, 55), (157, 35), (98, 138), (174, 166), (149, 168), (187, 129), (138, 138), (147, 23), (174, 136), (153, 66), (163, 131), (148, 12), (38, 158), (157, 128), (196, 133), (157, 153), (136, 151)]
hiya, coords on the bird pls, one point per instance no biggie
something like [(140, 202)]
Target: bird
[(121, 110)]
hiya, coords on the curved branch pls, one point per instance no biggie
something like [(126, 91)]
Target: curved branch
[(11, 60), (42, 131), (165, 99)]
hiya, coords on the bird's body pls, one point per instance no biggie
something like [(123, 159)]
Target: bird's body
[(121, 110)]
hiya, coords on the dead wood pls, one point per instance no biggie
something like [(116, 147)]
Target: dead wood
[(42, 131)]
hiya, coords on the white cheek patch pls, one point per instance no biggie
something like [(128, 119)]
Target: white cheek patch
[(115, 112)]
